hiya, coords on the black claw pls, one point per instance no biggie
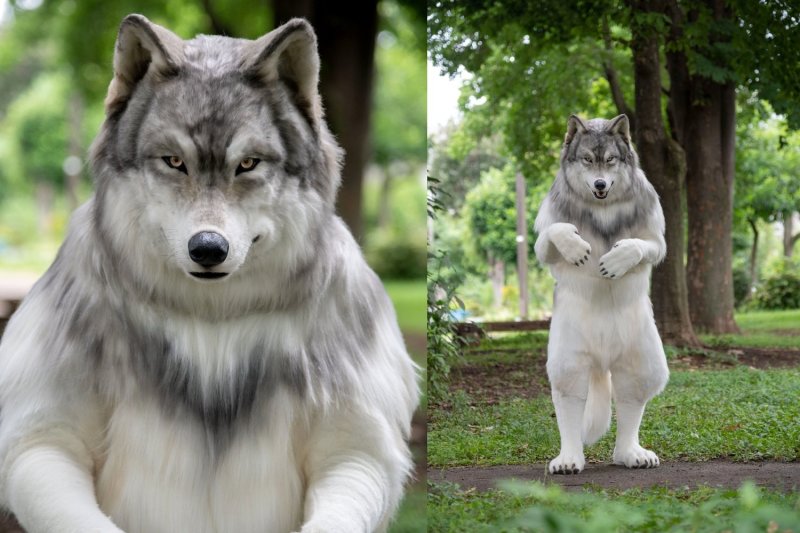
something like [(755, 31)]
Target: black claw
[(586, 257), (601, 263), (576, 264), (581, 261), (612, 275), (588, 252), (615, 245)]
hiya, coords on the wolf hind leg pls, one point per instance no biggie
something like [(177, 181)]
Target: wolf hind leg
[(632, 390), (570, 385)]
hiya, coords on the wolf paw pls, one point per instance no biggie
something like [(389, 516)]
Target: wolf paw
[(570, 245), (625, 255), (567, 464), (636, 457)]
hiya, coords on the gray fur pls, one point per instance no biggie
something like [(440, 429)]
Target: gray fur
[(92, 286), (570, 198)]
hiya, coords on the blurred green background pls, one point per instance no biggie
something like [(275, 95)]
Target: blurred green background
[(55, 66)]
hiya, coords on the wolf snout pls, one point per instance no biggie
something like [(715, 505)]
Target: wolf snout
[(208, 248), (600, 185)]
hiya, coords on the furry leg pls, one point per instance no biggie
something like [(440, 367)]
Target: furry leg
[(356, 468), (569, 413), (50, 491), (627, 450)]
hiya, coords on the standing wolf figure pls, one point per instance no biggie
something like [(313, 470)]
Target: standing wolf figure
[(601, 229), (209, 352)]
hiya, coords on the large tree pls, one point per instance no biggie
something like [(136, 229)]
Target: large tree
[(708, 47)]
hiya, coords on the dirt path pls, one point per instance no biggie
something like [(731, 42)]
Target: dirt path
[(716, 473)]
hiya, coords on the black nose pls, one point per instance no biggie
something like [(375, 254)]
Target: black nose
[(208, 248), (599, 185)]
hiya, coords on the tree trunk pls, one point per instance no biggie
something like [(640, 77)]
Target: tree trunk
[(346, 36), (663, 162), (789, 238), (702, 118), (522, 247), (497, 274), (709, 200), (753, 258)]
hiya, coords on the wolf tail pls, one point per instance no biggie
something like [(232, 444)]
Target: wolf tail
[(597, 414)]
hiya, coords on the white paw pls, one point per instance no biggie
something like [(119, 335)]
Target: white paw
[(636, 457), (567, 464), (625, 255), (570, 245)]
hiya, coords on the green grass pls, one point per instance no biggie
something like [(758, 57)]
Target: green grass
[(762, 329), (412, 516), (769, 320), (534, 507), (409, 298), (742, 414)]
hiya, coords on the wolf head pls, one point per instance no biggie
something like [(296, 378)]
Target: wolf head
[(214, 153), (598, 161)]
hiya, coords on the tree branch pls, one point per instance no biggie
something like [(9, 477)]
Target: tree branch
[(613, 78)]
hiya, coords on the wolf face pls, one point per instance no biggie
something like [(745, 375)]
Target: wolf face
[(597, 159), (211, 147)]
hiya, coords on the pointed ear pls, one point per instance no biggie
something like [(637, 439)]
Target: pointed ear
[(574, 126), (142, 48), (621, 126), (289, 54)]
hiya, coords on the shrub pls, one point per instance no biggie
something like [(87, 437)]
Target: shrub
[(781, 290), (395, 256)]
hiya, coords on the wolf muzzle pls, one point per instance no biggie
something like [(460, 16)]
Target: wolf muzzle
[(208, 248)]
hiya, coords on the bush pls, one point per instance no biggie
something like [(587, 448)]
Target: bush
[(443, 348), (781, 290), (395, 256)]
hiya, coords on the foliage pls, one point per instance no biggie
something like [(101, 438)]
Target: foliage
[(549, 508), (458, 159), (442, 339), (36, 128), (490, 213), (781, 290), (399, 111), (767, 159), (396, 255)]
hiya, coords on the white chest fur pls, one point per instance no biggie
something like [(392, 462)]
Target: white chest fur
[(163, 469)]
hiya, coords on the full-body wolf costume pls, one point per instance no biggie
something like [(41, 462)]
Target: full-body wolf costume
[(601, 229), (209, 352)]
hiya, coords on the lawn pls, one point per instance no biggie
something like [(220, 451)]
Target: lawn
[(712, 407), (409, 298)]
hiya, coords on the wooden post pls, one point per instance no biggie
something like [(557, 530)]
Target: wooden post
[(522, 248)]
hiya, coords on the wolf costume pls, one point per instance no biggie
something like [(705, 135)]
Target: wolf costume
[(209, 351), (601, 229)]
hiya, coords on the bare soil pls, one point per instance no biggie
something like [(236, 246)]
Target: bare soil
[(715, 473)]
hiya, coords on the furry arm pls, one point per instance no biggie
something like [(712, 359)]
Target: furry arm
[(561, 240), (356, 467), (51, 491)]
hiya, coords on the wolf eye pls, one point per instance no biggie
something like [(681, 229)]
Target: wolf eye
[(247, 164), (587, 159), (173, 161), (611, 159)]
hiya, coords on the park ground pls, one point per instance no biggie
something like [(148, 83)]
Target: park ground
[(727, 430)]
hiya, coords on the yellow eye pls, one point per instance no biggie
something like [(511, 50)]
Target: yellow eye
[(247, 164), (173, 161)]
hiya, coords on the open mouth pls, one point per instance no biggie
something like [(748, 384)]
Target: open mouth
[(209, 275), (600, 195)]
